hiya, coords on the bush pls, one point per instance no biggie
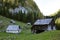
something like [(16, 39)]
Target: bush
[(58, 26), (57, 22)]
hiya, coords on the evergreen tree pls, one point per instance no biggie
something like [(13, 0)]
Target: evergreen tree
[(29, 5)]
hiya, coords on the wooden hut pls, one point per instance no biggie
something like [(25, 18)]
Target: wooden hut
[(43, 25)]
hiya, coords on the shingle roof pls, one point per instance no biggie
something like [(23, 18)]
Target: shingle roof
[(43, 21), (13, 27)]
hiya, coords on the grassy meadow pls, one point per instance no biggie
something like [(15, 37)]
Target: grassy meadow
[(26, 33)]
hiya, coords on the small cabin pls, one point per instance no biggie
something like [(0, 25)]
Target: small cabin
[(43, 25), (13, 29)]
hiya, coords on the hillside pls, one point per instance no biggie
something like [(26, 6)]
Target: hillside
[(26, 34), (22, 10), (6, 22)]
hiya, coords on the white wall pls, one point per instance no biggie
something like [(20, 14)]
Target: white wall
[(49, 27), (12, 31), (54, 27)]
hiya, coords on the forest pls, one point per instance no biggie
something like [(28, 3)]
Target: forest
[(21, 10)]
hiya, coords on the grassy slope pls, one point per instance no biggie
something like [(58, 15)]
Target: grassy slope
[(6, 21), (26, 34)]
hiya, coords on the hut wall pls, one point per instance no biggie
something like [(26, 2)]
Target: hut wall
[(54, 27), (49, 27)]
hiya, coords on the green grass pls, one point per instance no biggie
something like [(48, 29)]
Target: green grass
[(6, 22), (51, 35), (26, 33)]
